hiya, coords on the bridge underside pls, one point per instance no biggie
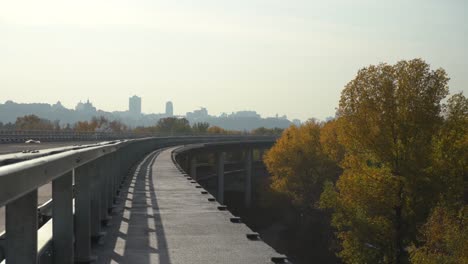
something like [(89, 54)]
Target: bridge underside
[(162, 217)]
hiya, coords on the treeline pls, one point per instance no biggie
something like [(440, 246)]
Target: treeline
[(165, 126), (390, 171)]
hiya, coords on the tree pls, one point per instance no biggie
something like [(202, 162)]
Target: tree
[(117, 126), (389, 114), (449, 166), (84, 126), (173, 125), (330, 142), (445, 238), (267, 131), (200, 127), (298, 165), (216, 130), (33, 122)]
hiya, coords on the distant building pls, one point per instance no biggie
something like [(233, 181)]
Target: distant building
[(245, 114), (134, 105), (85, 107), (296, 122), (169, 109), (58, 106), (197, 114)]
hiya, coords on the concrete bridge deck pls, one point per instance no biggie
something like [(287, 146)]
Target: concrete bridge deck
[(162, 217)]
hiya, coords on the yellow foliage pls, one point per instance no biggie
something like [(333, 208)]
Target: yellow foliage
[(216, 130), (446, 238), (298, 165)]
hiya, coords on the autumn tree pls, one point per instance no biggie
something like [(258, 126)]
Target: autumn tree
[(444, 237), (99, 124), (117, 126), (329, 140), (216, 130), (298, 164), (449, 166), (173, 125), (389, 114), (84, 126), (200, 127), (33, 122), (267, 131)]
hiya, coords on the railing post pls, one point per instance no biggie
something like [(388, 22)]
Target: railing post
[(21, 230), (248, 178), (220, 156), (62, 217), (83, 214)]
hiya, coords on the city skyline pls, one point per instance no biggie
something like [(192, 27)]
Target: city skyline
[(78, 105), (243, 120)]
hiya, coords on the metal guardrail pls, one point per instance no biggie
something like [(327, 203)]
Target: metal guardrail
[(17, 136), (85, 182)]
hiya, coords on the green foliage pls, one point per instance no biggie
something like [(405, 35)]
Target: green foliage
[(449, 167), (267, 131)]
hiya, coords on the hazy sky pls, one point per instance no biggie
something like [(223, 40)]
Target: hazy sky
[(288, 57)]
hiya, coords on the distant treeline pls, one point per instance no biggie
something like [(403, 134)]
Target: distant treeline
[(168, 126)]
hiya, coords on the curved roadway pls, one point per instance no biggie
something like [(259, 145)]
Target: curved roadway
[(163, 217)]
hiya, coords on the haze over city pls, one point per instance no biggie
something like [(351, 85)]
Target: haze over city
[(275, 57)]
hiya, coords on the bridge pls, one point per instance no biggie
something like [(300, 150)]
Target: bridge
[(128, 201)]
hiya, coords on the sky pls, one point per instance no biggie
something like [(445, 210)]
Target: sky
[(289, 57)]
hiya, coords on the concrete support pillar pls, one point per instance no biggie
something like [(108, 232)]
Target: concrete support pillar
[(261, 152), (220, 157), (248, 178), (193, 167), (83, 214), (21, 230), (104, 182), (113, 171), (120, 164), (110, 172), (187, 163), (96, 198), (62, 217)]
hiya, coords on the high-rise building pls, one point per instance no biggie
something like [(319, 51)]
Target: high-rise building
[(134, 105), (169, 109)]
